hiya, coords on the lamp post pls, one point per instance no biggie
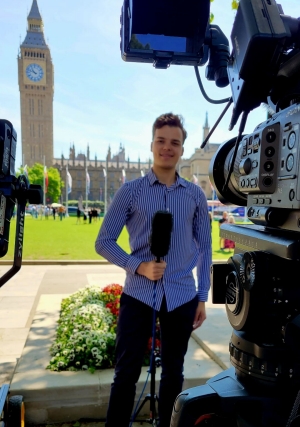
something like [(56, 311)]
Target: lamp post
[(60, 176)]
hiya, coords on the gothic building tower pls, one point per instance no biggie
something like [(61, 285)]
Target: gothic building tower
[(206, 130), (36, 84)]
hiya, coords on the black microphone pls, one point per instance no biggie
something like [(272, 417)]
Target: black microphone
[(160, 237)]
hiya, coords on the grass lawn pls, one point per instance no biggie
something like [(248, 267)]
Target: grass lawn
[(65, 240)]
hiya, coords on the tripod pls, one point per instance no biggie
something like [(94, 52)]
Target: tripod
[(162, 224), (154, 362), (152, 396)]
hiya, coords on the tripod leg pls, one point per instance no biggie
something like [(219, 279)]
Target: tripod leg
[(146, 399), (152, 397)]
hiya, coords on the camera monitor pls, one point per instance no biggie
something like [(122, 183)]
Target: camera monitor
[(164, 33)]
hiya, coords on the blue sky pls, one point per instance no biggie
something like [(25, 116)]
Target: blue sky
[(99, 99)]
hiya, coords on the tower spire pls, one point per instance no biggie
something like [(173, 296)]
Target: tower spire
[(206, 120), (206, 131), (34, 12), (35, 29)]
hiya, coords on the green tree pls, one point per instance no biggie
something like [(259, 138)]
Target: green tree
[(55, 184), (135, 44), (235, 4)]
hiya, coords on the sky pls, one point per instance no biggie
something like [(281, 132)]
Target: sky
[(99, 99)]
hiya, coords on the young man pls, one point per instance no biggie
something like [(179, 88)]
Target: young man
[(180, 307)]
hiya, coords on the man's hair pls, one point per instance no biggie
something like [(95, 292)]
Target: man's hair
[(169, 119)]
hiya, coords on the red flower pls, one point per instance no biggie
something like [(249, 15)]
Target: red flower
[(111, 295)]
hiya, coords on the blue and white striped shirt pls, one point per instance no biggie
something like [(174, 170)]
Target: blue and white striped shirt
[(134, 205)]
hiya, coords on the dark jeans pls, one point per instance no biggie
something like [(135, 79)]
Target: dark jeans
[(133, 332)]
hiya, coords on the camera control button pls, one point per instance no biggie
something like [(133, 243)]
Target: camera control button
[(261, 201), (249, 151), (271, 136), (254, 163), (268, 201), (268, 166), (270, 151), (255, 201), (253, 182), (292, 195)]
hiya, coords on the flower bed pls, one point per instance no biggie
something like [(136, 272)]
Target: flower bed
[(86, 332)]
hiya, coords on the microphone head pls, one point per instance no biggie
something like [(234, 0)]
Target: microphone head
[(160, 237)]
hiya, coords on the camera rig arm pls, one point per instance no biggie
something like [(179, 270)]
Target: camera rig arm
[(15, 190)]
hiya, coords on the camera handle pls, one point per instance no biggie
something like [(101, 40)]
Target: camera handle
[(18, 244)]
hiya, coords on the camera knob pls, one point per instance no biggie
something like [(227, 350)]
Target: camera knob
[(245, 166), (221, 77)]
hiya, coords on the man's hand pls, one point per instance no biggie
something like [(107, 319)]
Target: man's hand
[(152, 270), (200, 315)]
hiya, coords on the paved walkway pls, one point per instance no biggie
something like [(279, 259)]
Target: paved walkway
[(29, 309)]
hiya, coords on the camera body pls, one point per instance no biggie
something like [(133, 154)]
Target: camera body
[(265, 172)]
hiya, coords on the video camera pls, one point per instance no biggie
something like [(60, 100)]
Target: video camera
[(13, 190), (259, 283)]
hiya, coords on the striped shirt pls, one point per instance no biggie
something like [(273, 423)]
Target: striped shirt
[(134, 205)]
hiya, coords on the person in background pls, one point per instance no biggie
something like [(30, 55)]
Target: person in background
[(179, 304), (47, 211), (78, 214), (210, 220), (84, 217), (221, 221), (229, 245), (90, 214), (60, 212)]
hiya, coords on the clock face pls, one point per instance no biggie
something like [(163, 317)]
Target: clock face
[(34, 72)]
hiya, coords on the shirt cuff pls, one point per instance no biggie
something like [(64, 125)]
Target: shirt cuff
[(132, 264), (203, 295)]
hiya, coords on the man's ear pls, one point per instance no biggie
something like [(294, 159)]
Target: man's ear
[(151, 145), (182, 151)]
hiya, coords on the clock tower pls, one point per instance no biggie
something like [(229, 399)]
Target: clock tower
[(36, 83)]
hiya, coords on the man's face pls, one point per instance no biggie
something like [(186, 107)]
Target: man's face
[(167, 146)]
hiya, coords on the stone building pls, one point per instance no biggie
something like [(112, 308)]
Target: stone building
[(36, 84), (198, 164), (116, 167)]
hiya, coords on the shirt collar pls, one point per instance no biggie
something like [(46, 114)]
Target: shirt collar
[(179, 181)]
